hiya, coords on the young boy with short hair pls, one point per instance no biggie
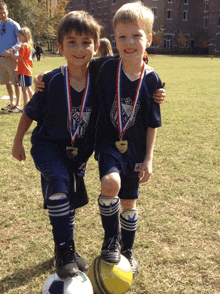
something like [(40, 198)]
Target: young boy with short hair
[(126, 130), (63, 139)]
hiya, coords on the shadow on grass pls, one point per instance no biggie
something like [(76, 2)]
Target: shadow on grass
[(22, 276)]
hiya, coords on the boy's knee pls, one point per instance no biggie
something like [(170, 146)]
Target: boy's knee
[(110, 184), (58, 196)]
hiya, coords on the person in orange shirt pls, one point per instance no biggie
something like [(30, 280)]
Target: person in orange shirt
[(25, 64)]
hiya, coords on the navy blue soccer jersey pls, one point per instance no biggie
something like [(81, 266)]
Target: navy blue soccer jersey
[(49, 109), (146, 114)]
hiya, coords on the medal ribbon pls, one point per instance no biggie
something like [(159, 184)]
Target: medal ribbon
[(122, 129), (73, 132)]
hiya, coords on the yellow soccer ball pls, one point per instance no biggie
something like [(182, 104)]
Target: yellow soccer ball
[(110, 279)]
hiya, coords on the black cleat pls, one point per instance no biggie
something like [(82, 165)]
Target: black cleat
[(111, 250), (129, 254), (81, 263), (64, 261)]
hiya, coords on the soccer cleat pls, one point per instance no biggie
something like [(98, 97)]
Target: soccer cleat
[(81, 263), (129, 254), (64, 261), (111, 250)]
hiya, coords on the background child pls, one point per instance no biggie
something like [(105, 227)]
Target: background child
[(126, 130), (25, 64), (105, 48), (63, 139)]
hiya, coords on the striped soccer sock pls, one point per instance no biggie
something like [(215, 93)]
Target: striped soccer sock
[(129, 221), (109, 210), (59, 214)]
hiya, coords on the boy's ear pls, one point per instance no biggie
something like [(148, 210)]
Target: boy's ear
[(60, 48), (149, 40)]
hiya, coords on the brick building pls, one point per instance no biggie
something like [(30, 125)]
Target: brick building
[(185, 23)]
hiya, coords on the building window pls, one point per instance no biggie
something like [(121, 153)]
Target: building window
[(170, 1), (219, 20), (185, 15), (205, 22), (169, 17), (99, 11), (186, 2), (113, 1), (82, 2), (206, 6), (154, 9), (105, 10)]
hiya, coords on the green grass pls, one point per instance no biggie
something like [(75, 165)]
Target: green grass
[(177, 243)]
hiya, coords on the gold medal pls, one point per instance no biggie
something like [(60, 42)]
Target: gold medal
[(71, 151), (122, 146)]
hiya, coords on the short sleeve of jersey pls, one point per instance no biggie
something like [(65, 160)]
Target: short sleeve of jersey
[(152, 83), (36, 107)]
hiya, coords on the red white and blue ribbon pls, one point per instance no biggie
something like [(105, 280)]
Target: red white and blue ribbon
[(73, 131), (122, 129)]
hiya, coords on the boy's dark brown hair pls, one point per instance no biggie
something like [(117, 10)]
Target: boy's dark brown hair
[(80, 22)]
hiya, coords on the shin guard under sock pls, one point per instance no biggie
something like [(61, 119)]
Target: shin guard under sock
[(59, 214), (109, 210), (129, 221)]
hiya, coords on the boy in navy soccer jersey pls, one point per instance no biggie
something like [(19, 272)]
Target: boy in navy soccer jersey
[(63, 139), (126, 130)]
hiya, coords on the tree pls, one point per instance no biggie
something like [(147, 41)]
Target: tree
[(158, 37)]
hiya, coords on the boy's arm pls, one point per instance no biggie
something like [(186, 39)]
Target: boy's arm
[(146, 169), (18, 151)]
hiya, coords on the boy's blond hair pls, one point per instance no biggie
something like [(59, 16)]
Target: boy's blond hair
[(27, 33), (135, 12), (80, 22)]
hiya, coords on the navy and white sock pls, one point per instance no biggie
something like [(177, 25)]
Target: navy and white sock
[(129, 221), (59, 214), (109, 210), (72, 221)]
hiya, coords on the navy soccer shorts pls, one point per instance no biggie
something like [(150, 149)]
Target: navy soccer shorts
[(129, 183), (59, 175), (25, 81)]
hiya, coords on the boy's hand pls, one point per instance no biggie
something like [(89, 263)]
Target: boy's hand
[(18, 151), (146, 171), (38, 82), (159, 96)]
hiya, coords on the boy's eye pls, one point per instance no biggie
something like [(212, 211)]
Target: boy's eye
[(121, 37)]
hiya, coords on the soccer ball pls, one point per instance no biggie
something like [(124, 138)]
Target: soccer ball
[(110, 279), (79, 284)]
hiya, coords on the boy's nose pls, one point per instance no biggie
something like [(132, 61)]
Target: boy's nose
[(130, 40), (79, 47)]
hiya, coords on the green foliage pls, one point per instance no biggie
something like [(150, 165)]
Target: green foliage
[(42, 18)]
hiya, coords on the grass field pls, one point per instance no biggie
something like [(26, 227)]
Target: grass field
[(178, 240)]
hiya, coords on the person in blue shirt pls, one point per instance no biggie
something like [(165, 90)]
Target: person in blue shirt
[(8, 39)]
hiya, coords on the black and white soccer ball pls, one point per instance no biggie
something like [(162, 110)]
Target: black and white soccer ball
[(79, 284)]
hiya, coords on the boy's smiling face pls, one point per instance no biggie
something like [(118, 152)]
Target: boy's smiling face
[(131, 40), (78, 49)]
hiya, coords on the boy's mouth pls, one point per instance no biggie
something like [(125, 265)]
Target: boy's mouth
[(129, 51), (78, 57)]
